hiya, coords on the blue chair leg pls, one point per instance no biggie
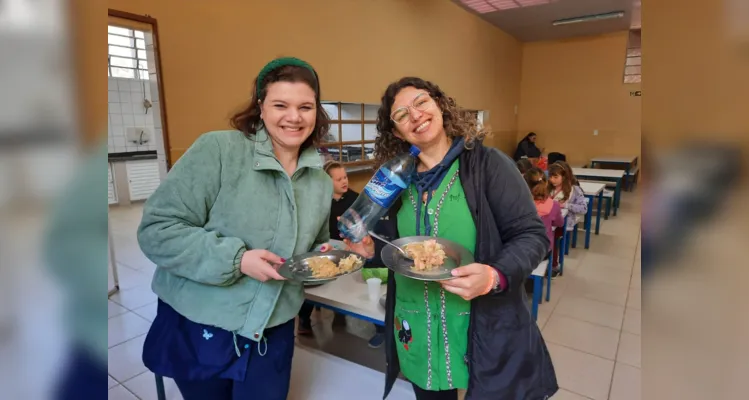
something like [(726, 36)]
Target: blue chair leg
[(549, 268), (598, 212), (588, 223), (574, 237), (537, 288), (160, 392), (562, 245), (608, 208)]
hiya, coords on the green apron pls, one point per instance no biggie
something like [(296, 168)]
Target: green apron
[(431, 325)]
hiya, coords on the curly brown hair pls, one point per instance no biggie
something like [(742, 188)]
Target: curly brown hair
[(248, 119), (457, 121)]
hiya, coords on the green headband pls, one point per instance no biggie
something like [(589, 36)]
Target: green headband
[(282, 62)]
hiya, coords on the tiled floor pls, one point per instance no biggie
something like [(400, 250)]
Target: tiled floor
[(591, 324)]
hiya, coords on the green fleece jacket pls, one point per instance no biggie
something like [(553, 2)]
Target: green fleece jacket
[(226, 195)]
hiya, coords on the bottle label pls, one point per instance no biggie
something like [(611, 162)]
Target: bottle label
[(382, 190)]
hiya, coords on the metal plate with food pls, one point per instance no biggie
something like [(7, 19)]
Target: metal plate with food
[(433, 258), (319, 267)]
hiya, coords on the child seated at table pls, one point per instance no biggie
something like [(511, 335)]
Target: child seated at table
[(548, 209), (343, 198), (524, 165), (566, 190)]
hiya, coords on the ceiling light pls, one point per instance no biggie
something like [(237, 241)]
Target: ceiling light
[(587, 18)]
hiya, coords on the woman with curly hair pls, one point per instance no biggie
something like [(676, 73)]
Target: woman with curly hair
[(472, 335), (233, 207)]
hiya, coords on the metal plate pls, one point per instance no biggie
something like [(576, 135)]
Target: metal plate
[(297, 268), (457, 256)]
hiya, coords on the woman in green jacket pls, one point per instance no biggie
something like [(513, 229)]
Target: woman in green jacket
[(227, 215)]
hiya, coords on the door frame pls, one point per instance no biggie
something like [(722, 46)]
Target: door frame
[(147, 19)]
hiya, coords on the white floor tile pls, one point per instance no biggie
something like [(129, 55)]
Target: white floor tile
[(120, 393), (148, 311), (580, 335), (632, 323), (125, 327), (144, 386), (566, 395), (115, 309), (592, 311), (582, 373), (126, 359), (627, 383), (630, 350), (134, 298)]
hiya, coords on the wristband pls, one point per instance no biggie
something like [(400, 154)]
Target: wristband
[(493, 283)]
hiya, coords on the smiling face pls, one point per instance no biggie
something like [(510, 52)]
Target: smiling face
[(289, 113), (417, 117)]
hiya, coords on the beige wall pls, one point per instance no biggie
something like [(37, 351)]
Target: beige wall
[(695, 84), (211, 52), (570, 88)]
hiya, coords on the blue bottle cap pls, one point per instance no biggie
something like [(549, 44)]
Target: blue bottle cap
[(414, 151)]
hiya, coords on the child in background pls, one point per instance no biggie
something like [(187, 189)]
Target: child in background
[(343, 198), (548, 209), (543, 162), (566, 190), (524, 165)]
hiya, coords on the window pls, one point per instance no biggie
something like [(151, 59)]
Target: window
[(127, 53), (352, 133), (633, 63)]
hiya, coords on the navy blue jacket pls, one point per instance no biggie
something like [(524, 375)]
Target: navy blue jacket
[(507, 357)]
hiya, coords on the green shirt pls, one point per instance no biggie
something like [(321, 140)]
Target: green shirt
[(434, 356), (226, 195)]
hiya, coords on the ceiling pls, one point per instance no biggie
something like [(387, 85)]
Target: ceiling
[(531, 20)]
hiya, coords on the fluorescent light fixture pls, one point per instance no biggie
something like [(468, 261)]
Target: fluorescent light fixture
[(588, 18)]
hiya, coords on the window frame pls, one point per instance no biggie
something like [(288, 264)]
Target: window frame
[(339, 143), (138, 72), (634, 51)]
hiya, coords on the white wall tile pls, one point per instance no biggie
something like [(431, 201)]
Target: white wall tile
[(123, 85), (118, 131), (128, 119), (124, 97), (112, 83), (113, 96), (136, 86), (128, 108), (116, 119), (140, 120), (154, 88), (136, 97), (119, 141), (115, 108)]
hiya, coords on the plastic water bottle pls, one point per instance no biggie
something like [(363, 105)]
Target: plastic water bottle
[(377, 197)]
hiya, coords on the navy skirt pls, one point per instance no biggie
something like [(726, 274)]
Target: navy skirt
[(207, 361)]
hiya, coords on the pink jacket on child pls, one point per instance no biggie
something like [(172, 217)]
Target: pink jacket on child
[(551, 214)]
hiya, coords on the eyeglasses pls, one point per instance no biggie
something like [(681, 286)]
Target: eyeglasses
[(422, 102)]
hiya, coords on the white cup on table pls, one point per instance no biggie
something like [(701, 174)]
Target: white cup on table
[(373, 288)]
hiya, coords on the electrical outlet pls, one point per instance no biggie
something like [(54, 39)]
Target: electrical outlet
[(595, 132)]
